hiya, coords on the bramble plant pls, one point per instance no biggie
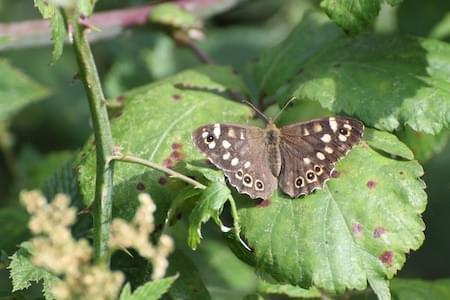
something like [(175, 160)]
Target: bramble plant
[(123, 88)]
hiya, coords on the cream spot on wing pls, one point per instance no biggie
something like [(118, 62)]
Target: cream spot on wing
[(305, 132), (317, 127), (226, 144), (247, 164), (231, 133), (347, 126), (320, 155), (212, 145), (238, 174), (259, 185), (306, 160), (241, 136), (248, 180), (216, 130), (333, 123), (226, 156), (326, 138), (234, 161), (342, 138), (204, 134), (328, 149)]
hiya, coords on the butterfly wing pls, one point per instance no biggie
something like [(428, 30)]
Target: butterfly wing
[(309, 151), (241, 153)]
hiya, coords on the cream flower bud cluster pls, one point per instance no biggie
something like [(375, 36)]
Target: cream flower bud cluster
[(136, 235), (57, 251)]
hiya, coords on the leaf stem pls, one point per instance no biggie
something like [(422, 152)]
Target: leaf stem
[(103, 139), (147, 163)]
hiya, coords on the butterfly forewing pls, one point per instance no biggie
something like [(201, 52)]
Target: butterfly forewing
[(240, 152), (309, 151)]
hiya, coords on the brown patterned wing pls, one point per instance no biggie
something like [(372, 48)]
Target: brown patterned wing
[(241, 153), (309, 151)]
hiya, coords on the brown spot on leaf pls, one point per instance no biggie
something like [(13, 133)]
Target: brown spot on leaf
[(387, 257), (176, 146), (168, 163), (162, 180), (120, 99), (176, 97), (264, 203), (357, 229), (378, 232), (140, 186), (176, 155), (371, 184), (401, 173)]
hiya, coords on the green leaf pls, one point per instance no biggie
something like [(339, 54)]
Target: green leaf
[(23, 272), (357, 229), (417, 289), (387, 143), (189, 285), (208, 206), (354, 15), (52, 12), (384, 81), (16, 91), (173, 15), (287, 290), (278, 65), (424, 146), (152, 290), (86, 7), (156, 124)]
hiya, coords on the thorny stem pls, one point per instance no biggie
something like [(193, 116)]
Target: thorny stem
[(147, 163), (103, 140)]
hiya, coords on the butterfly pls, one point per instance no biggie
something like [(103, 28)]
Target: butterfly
[(299, 157)]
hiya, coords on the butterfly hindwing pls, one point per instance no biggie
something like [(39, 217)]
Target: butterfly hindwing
[(240, 152), (309, 151)]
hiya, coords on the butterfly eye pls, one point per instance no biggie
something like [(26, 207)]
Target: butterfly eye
[(344, 131), (259, 185), (310, 175), (299, 182), (247, 180), (209, 138)]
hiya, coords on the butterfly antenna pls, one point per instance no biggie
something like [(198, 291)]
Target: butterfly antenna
[(284, 107), (257, 110)]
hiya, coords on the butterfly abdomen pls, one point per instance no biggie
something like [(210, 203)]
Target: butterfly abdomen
[(272, 141)]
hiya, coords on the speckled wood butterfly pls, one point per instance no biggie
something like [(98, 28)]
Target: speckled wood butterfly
[(301, 155)]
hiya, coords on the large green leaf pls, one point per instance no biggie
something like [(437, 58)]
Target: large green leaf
[(16, 90), (424, 146), (354, 15), (156, 124), (416, 289), (357, 229), (385, 81), (13, 227)]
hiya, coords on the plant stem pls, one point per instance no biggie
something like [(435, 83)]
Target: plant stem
[(103, 140), (147, 163)]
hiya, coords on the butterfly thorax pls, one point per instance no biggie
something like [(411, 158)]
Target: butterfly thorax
[(272, 141)]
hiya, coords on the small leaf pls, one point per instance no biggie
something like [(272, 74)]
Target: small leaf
[(208, 206), (23, 272), (287, 290), (387, 143), (152, 290), (357, 229), (354, 15), (173, 15), (52, 12), (13, 227), (16, 91)]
